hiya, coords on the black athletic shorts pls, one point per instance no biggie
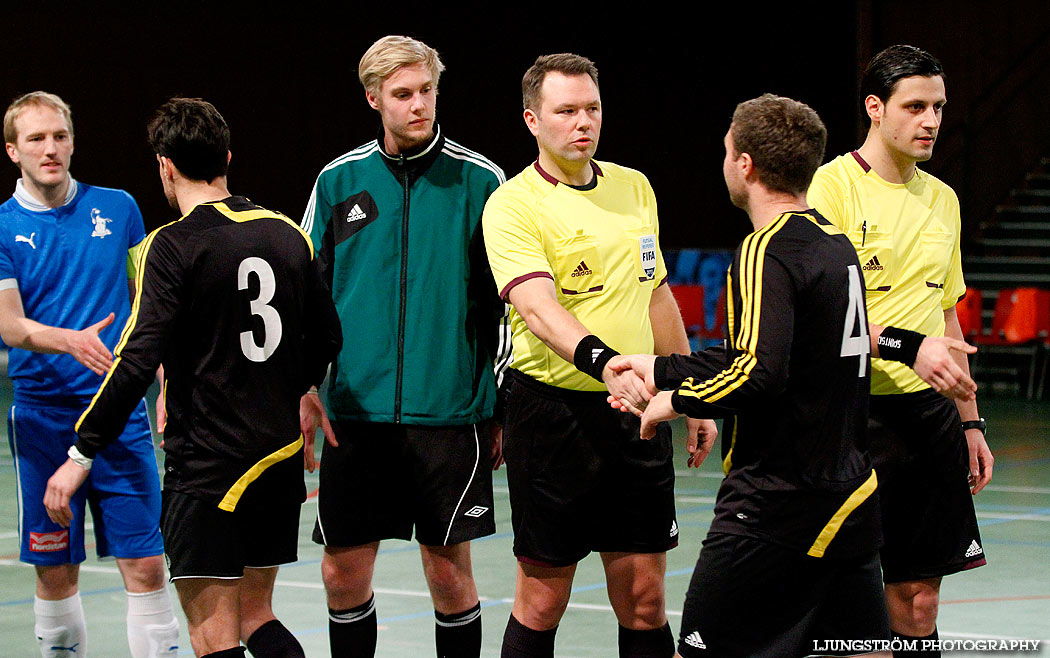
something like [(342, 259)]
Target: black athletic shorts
[(920, 454), (581, 478), (757, 599), (203, 541), (384, 479)]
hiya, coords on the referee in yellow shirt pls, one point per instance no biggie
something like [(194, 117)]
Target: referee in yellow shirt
[(930, 454), (574, 247)]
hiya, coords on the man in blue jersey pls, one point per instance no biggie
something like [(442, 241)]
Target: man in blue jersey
[(66, 251)]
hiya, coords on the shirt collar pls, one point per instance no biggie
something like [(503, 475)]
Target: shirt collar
[(416, 154), (27, 201), (582, 188)]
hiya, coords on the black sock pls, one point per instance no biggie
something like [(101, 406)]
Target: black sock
[(655, 643), (273, 640), (458, 635), (236, 652), (352, 632), (917, 643), (520, 641)]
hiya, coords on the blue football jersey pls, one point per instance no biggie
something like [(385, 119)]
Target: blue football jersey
[(70, 266)]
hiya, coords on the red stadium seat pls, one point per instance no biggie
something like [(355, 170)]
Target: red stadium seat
[(690, 300), (969, 311), (1021, 326)]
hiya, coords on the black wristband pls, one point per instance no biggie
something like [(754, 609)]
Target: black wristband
[(900, 345), (979, 424), (591, 356)]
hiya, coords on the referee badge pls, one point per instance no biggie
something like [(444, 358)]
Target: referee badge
[(647, 255)]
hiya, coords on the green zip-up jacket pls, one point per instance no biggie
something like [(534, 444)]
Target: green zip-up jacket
[(401, 248)]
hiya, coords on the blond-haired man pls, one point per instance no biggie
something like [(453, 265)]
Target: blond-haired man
[(398, 226), (66, 256)]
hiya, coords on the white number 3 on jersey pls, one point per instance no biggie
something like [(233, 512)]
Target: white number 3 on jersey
[(856, 345), (260, 306)]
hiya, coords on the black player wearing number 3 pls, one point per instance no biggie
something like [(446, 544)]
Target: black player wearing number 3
[(231, 301)]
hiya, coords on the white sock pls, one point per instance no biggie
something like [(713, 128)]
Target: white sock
[(153, 631), (60, 629)]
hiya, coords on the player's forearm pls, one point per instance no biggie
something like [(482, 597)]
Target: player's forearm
[(552, 324), (669, 335), (672, 370), (27, 334), (952, 329), (109, 411)]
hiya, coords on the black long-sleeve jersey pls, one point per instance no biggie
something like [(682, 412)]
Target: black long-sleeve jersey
[(230, 300), (793, 382)]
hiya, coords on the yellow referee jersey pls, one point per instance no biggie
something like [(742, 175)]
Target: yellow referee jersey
[(907, 241), (600, 246)]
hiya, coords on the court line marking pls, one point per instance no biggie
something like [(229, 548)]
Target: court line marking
[(426, 595), (88, 568), (1013, 489), (996, 518), (997, 599), (489, 602)]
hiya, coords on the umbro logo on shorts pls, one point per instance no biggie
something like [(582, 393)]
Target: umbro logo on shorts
[(694, 640), (873, 265), (476, 511), (355, 214), (974, 549), (582, 270)]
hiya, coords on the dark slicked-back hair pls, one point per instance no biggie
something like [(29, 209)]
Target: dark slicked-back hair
[(564, 63), (785, 139), (893, 64), (193, 134)]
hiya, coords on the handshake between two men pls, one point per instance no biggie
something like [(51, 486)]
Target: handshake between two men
[(632, 388)]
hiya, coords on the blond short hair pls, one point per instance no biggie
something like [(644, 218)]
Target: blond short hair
[(391, 53), (34, 99)]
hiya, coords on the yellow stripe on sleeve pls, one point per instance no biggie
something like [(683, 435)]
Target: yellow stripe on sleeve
[(261, 213), (727, 463), (142, 251), (839, 517), (233, 496), (752, 256)]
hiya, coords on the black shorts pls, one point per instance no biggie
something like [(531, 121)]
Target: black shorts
[(384, 479), (920, 454), (203, 541), (761, 600), (581, 478)]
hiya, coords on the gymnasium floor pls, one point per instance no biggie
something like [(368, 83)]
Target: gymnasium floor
[(1009, 598)]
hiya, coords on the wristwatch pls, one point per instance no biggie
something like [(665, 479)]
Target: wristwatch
[(979, 424)]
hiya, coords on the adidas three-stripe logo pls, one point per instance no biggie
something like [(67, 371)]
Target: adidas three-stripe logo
[(873, 265), (974, 549), (582, 270), (694, 640), (355, 214)]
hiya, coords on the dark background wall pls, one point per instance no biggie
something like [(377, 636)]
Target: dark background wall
[(286, 82)]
